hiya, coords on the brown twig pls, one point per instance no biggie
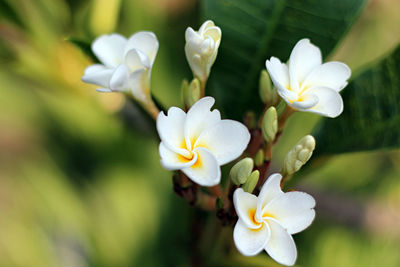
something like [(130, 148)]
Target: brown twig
[(216, 191), (263, 169), (283, 117), (191, 192)]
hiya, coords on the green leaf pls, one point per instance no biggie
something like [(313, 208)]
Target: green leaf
[(254, 30), (84, 46), (7, 12), (371, 116)]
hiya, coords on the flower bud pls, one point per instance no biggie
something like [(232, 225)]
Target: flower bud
[(251, 181), (241, 170), (268, 93), (259, 158), (299, 155), (191, 92), (269, 126), (201, 48), (184, 90)]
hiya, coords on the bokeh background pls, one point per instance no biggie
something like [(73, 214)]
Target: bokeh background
[(80, 179)]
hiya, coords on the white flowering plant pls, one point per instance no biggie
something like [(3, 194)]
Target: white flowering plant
[(196, 143), (223, 160)]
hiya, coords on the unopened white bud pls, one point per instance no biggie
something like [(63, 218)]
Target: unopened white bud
[(201, 48)]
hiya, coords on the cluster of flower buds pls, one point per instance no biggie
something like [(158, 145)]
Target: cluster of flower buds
[(299, 155), (242, 174)]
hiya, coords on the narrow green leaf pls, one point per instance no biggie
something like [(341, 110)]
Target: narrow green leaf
[(84, 46), (371, 116), (254, 30)]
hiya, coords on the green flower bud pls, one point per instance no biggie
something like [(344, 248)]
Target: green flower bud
[(299, 155), (251, 182), (191, 92), (184, 90), (259, 158), (269, 125), (268, 93), (241, 170)]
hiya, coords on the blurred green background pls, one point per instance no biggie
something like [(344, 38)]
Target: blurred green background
[(80, 179)]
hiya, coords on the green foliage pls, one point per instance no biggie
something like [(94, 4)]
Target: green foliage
[(371, 116), (256, 30), (9, 14)]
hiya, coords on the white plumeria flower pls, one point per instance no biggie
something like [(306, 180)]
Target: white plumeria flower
[(201, 48), (269, 220), (308, 85), (199, 142), (126, 63)]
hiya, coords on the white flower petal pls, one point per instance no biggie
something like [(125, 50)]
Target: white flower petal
[(294, 211), (303, 59), (109, 49), (245, 206), (193, 53), (207, 24), (270, 190), (174, 161), (138, 83), (287, 95), (135, 59), (199, 117), (144, 41), (331, 74), (207, 46), (250, 242), (227, 139), (330, 103), (95, 68), (171, 130), (281, 246), (278, 72), (120, 78), (192, 37), (103, 90), (205, 171), (214, 32), (201, 48), (98, 74), (307, 101)]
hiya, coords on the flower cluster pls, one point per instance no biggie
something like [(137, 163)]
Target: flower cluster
[(198, 142)]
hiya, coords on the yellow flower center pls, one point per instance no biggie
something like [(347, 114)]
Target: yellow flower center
[(253, 218), (188, 158)]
